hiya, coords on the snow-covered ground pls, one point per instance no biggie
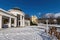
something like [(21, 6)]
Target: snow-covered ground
[(27, 33)]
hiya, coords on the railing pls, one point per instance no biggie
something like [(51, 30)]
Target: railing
[(55, 25)]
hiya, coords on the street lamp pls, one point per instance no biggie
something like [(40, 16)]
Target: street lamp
[(47, 29)]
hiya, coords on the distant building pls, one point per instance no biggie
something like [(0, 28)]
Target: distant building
[(34, 19)]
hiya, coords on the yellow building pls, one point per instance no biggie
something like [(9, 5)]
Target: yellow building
[(34, 19)]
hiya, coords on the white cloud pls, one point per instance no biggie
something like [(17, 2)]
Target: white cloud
[(48, 15), (57, 15)]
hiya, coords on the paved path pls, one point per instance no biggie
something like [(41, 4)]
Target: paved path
[(27, 33)]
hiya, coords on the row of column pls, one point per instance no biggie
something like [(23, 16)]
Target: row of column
[(22, 21), (15, 21), (9, 25)]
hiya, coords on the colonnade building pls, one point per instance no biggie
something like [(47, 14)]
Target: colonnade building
[(12, 18)]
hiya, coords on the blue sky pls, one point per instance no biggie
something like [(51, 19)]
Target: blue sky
[(32, 7)]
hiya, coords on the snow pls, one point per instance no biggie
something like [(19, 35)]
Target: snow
[(27, 33)]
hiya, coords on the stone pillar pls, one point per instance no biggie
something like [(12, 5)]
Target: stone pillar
[(9, 22), (15, 22), (29, 23), (23, 21), (0, 21), (20, 20)]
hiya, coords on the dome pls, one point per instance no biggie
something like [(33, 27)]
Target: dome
[(17, 8)]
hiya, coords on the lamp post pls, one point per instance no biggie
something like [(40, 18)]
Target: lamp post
[(47, 29)]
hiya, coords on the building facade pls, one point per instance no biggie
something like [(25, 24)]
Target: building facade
[(12, 18), (27, 20), (34, 19)]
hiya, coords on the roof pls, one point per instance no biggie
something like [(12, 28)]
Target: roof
[(6, 12)]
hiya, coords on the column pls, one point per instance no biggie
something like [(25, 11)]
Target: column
[(15, 22), (23, 21), (9, 22), (28, 23), (0, 21), (20, 20)]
